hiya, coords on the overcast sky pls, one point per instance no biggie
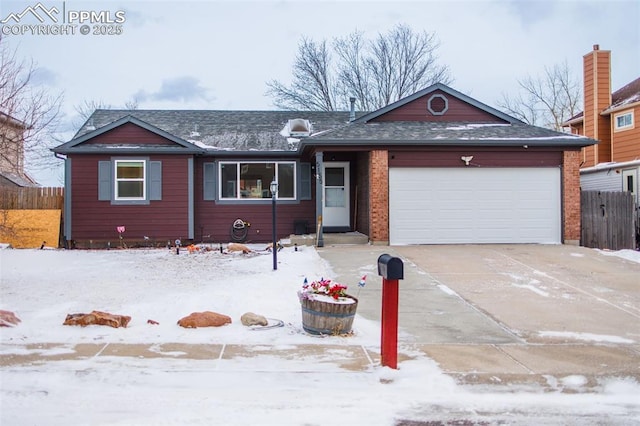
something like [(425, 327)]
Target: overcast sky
[(220, 54)]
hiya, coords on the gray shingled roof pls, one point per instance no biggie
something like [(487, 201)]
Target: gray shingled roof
[(626, 95), (224, 130), (19, 180), (443, 133), (260, 131)]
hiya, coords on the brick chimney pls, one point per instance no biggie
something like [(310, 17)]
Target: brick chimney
[(597, 97)]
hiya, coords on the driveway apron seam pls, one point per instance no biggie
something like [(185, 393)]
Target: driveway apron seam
[(508, 355)]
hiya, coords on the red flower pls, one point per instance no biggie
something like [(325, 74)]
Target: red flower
[(334, 290)]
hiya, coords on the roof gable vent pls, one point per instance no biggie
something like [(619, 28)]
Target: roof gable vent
[(438, 104), (299, 127)]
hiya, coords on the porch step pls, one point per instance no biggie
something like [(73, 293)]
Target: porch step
[(329, 239)]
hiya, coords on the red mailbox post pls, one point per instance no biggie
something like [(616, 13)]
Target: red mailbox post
[(391, 269)]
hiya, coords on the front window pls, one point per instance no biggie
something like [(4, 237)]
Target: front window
[(248, 181), (130, 180), (624, 121)]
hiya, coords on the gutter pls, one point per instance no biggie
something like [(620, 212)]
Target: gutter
[(610, 166), (609, 111), (534, 142)]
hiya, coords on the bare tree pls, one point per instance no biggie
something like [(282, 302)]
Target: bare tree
[(376, 72), (31, 114), (86, 108), (132, 104), (547, 100), (312, 87), (403, 62), (353, 70)]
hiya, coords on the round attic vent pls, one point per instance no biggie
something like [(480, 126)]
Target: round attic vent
[(437, 104)]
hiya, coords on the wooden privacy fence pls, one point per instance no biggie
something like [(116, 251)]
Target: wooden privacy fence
[(608, 220), (31, 198), (31, 217)]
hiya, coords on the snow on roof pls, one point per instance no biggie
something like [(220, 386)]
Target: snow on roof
[(471, 126), (611, 165), (625, 95)]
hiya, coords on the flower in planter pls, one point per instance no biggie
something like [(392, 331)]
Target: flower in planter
[(322, 287), (327, 309)]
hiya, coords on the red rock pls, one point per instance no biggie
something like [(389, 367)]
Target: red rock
[(238, 247), (8, 319), (204, 319), (97, 318)]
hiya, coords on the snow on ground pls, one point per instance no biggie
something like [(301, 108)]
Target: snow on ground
[(42, 286), (587, 337), (164, 287), (632, 255)]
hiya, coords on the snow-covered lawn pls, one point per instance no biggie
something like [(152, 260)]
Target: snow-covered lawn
[(43, 286)]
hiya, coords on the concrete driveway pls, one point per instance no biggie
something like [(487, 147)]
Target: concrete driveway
[(517, 313)]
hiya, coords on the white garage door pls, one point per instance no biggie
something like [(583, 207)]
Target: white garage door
[(474, 205)]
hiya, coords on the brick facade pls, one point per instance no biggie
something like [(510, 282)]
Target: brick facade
[(571, 196), (379, 197)]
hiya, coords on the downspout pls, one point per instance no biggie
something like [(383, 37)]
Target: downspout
[(190, 199), (66, 214), (319, 198)]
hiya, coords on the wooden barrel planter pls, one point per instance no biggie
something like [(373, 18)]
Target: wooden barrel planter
[(320, 317)]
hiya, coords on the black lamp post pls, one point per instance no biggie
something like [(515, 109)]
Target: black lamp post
[(274, 191)]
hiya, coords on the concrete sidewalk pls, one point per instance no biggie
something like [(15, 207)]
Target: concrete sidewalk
[(508, 313)]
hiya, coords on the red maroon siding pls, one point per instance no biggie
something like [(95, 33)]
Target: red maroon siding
[(160, 220), (518, 157), (216, 219), (129, 133), (458, 111)]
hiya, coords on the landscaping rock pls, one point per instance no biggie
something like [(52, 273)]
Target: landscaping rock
[(238, 247), (250, 319), (204, 319), (8, 319), (97, 318)]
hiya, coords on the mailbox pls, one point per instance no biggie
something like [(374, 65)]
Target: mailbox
[(390, 268)]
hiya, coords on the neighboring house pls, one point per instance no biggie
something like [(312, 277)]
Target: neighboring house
[(12, 172), (614, 164), (435, 167)]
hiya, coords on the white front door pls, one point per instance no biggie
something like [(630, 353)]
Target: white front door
[(335, 210)]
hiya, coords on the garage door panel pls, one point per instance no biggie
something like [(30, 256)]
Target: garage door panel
[(489, 205)]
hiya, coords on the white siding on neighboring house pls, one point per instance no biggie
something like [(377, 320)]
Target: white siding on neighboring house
[(612, 177), (601, 180)]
